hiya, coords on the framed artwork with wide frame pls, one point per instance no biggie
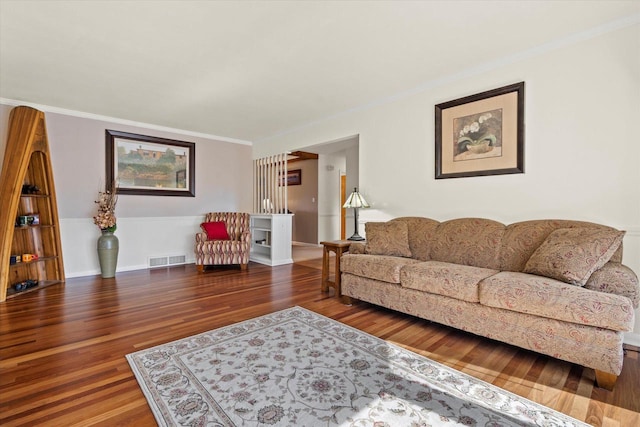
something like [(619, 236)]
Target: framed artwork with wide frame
[(149, 166), (481, 134)]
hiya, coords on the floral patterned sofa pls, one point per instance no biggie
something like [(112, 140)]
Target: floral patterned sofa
[(556, 287)]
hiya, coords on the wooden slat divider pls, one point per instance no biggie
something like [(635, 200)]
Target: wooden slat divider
[(270, 185)]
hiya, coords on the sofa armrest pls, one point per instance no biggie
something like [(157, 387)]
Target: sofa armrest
[(201, 237), (616, 278), (356, 248)]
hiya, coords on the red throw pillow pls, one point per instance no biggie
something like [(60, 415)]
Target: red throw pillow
[(215, 230)]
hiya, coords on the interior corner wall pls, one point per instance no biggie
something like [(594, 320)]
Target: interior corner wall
[(303, 202), (582, 104), (148, 226)]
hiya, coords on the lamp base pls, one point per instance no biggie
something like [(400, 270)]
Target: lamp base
[(356, 237)]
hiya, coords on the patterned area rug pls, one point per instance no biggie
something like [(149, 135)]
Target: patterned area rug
[(298, 368)]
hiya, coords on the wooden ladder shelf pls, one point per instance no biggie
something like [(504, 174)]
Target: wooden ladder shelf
[(29, 215)]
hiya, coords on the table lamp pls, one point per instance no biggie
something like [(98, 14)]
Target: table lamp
[(355, 201)]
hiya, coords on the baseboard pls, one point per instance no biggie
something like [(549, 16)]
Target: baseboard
[(97, 272), (76, 274), (632, 339), (122, 270)]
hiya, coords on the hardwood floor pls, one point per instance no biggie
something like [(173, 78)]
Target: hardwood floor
[(62, 348)]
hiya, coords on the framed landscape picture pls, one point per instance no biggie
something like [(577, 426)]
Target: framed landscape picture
[(147, 165), (481, 134)]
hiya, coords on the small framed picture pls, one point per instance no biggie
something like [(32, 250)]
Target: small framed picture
[(293, 177)]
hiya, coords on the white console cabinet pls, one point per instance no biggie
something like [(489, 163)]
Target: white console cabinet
[(271, 239)]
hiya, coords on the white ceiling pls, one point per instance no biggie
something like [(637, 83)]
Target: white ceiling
[(251, 70)]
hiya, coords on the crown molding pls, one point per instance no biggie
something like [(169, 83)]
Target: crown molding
[(91, 116)]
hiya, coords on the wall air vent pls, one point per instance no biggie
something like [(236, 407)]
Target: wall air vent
[(166, 261), (161, 261), (177, 259)]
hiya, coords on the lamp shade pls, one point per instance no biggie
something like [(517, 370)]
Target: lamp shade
[(355, 200)]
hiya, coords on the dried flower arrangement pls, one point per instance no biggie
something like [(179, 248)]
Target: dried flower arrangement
[(106, 217)]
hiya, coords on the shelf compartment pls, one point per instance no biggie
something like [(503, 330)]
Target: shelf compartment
[(11, 292), (35, 261), (262, 223)]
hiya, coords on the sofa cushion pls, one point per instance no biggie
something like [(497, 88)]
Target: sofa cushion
[(553, 299), (379, 267), (572, 254), (521, 239), (387, 238), (442, 278), (615, 278), (421, 235), (216, 230), (468, 241), (596, 348)]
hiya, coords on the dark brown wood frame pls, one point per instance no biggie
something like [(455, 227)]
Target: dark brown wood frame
[(111, 135), (518, 168), (293, 177)]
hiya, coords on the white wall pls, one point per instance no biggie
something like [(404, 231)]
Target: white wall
[(148, 226), (330, 168), (352, 170), (582, 158)]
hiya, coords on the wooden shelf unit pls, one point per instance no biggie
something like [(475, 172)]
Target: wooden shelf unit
[(27, 161)]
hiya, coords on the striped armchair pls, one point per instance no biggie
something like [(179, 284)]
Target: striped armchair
[(225, 252)]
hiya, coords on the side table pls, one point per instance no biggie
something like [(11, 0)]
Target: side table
[(338, 247)]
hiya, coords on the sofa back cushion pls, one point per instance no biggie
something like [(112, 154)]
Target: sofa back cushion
[(422, 232), (521, 239), (468, 241), (485, 243)]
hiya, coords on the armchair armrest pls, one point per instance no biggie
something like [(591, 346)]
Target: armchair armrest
[(201, 237)]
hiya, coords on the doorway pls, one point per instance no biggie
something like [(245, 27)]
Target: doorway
[(338, 170)]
